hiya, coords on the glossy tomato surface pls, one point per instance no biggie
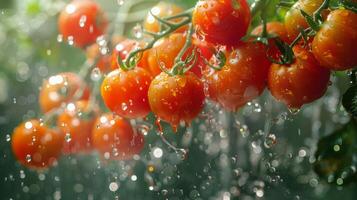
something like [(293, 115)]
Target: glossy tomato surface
[(76, 124), (114, 138), (35, 145), (82, 21), (176, 98), (242, 79), (126, 92), (335, 44), (302, 82), (222, 22), (62, 88)]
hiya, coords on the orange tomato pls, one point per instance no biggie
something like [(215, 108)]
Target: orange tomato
[(61, 89), (125, 92), (35, 145), (176, 98), (76, 123), (114, 138)]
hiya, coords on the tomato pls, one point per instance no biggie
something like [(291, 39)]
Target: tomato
[(335, 44), (82, 21), (76, 123), (242, 79), (222, 22), (176, 98), (165, 51), (124, 48), (60, 89), (299, 83), (294, 21), (114, 138), (35, 145), (162, 9), (125, 92), (104, 62), (273, 28)]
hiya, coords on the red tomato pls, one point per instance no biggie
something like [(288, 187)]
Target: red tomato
[(124, 48), (335, 44), (35, 145), (82, 21), (166, 50), (300, 82), (125, 92), (242, 79), (222, 22), (76, 124), (176, 98), (162, 9), (273, 28), (61, 89), (295, 21), (115, 138)]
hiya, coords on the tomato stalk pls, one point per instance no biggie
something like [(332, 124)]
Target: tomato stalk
[(171, 27)]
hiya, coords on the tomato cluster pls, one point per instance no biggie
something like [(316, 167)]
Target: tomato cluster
[(186, 62)]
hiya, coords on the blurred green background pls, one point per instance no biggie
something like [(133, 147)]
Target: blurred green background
[(247, 169)]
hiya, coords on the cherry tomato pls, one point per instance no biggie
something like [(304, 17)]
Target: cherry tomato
[(300, 82), (176, 98), (124, 48), (335, 44), (76, 124), (222, 22), (104, 62), (60, 89), (35, 145), (166, 50), (82, 21), (115, 138), (295, 21), (125, 92), (276, 29), (162, 10), (242, 79)]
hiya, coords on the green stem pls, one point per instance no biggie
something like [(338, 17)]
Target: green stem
[(317, 13), (257, 6)]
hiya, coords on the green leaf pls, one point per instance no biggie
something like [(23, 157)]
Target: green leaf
[(310, 20), (349, 100), (336, 155)]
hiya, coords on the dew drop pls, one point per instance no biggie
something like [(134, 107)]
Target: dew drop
[(270, 141), (28, 158)]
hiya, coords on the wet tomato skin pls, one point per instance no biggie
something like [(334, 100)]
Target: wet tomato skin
[(83, 20), (335, 44), (125, 92), (166, 50), (77, 121), (176, 98), (115, 136), (222, 22), (299, 83), (61, 88), (242, 79), (294, 21), (35, 145), (162, 9)]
